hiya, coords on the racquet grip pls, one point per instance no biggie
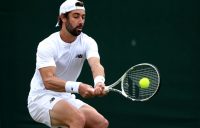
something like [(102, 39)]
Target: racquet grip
[(106, 89)]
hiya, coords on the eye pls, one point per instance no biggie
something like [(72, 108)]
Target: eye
[(76, 16)]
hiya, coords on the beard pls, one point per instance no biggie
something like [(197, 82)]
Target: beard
[(75, 31)]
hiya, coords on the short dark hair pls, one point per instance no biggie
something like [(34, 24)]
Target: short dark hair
[(80, 3)]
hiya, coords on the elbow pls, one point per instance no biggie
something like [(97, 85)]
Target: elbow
[(47, 87), (47, 84)]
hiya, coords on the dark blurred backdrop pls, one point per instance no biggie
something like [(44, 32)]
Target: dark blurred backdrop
[(165, 33)]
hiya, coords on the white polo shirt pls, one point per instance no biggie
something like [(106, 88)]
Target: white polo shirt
[(68, 58)]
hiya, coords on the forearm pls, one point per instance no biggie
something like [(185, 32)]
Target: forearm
[(98, 75), (55, 84), (60, 85), (97, 70), (52, 82), (96, 67)]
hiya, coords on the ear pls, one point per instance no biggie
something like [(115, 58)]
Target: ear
[(63, 18)]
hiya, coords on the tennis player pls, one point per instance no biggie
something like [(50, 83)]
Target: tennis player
[(59, 61)]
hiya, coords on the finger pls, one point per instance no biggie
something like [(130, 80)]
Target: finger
[(92, 91), (100, 92), (97, 91)]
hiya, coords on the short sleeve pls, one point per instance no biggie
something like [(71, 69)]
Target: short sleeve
[(92, 49), (44, 56)]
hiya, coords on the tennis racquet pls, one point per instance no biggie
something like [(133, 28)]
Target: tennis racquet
[(130, 87)]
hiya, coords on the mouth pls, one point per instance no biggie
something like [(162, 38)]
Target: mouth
[(79, 28)]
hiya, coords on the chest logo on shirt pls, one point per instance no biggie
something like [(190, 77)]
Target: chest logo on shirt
[(79, 56), (52, 99)]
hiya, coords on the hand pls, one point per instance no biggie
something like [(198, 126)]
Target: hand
[(86, 91), (99, 90)]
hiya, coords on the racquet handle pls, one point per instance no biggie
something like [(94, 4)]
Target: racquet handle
[(106, 89)]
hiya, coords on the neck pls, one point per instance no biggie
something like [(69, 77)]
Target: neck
[(66, 36)]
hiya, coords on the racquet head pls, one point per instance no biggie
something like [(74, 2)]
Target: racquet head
[(130, 82)]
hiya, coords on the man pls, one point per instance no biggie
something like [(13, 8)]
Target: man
[(60, 58)]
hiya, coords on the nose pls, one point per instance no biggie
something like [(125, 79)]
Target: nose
[(81, 20)]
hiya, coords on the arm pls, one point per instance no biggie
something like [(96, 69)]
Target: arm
[(52, 82), (97, 71), (96, 67)]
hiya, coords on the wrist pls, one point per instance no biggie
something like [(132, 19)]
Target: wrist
[(99, 79), (72, 87)]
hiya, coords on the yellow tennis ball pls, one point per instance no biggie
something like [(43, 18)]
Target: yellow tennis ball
[(144, 82)]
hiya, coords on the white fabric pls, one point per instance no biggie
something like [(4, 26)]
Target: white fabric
[(40, 106), (68, 59), (99, 79), (67, 6), (72, 87)]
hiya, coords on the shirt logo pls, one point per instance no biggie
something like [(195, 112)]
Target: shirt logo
[(79, 56), (52, 99)]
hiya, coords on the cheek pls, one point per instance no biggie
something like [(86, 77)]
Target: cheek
[(73, 23)]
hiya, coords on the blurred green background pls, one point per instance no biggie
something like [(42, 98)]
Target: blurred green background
[(165, 33)]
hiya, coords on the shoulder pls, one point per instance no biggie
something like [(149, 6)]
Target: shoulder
[(49, 42), (87, 39), (48, 46)]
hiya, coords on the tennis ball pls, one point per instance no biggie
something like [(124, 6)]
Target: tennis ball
[(144, 82)]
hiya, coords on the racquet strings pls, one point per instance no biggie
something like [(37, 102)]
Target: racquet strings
[(131, 82)]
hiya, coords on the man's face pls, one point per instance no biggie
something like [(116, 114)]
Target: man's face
[(75, 22)]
